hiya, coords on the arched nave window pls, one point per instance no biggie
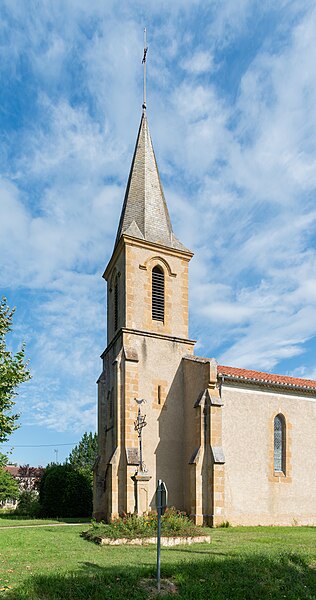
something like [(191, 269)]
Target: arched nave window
[(158, 294), (279, 444)]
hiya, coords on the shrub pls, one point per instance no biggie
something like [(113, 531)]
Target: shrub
[(64, 492), (28, 504), (224, 524), (130, 526)]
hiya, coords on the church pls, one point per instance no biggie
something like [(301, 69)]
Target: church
[(231, 444)]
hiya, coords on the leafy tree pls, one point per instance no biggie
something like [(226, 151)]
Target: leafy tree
[(13, 371), (83, 456), (9, 488), (28, 504), (65, 492), (3, 460)]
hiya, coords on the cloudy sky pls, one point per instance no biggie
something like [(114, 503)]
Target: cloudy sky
[(232, 113)]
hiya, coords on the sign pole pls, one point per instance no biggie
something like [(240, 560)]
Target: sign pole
[(161, 505), (158, 543)]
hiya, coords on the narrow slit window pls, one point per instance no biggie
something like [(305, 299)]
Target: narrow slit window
[(279, 444), (159, 394), (111, 407), (116, 304), (158, 294)]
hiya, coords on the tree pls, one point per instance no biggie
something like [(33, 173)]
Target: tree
[(9, 487), (3, 460), (83, 456), (28, 504), (13, 372), (65, 492)]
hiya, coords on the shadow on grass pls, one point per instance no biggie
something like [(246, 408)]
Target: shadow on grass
[(255, 577)]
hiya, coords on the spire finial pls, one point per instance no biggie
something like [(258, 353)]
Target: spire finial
[(144, 63)]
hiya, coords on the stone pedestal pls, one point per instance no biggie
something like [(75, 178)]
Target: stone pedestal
[(141, 480)]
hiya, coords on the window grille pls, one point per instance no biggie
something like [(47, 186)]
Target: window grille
[(279, 444), (116, 304), (158, 294)]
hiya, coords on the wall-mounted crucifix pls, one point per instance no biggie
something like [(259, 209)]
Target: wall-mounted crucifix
[(139, 425)]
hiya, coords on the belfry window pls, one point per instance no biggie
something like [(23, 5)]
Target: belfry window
[(158, 294), (116, 304), (279, 444)]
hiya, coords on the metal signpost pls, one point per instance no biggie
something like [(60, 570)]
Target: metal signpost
[(161, 504)]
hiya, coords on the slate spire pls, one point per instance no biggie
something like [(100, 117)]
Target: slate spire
[(145, 214)]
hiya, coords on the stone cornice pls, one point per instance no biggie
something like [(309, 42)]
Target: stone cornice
[(127, 240), (131, 241), (151, 334)]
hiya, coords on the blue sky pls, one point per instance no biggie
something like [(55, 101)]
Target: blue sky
[(232, 113)]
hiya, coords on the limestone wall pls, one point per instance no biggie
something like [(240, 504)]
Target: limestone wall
[(139, 264), (117, 271), (157, 377), (254, 494), (142, 360)]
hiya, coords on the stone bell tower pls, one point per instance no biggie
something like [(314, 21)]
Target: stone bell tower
[(147, 337)]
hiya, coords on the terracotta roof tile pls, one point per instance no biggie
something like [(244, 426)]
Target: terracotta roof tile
[(14, 471), (260, 376), (24, 471)]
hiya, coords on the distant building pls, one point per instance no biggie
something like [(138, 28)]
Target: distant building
[(27, 478), (231, 444)]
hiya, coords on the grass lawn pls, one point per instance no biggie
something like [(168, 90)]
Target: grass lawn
[(15, 521), (245, 563)]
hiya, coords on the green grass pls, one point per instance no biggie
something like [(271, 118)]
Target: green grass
[(55, 563), (14, 521)]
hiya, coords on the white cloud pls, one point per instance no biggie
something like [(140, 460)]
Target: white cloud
[(304, 372), (69, 146), (75, 414), (239, 177), (277, 115), (199, 62), (260, 218)]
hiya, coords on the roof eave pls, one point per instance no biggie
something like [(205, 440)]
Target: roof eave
[(265, 383)]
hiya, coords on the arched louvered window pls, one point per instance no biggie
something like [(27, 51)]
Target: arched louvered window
[(116, 303), (279, 444), (158, 294)]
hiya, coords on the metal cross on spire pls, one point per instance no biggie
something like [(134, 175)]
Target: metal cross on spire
[(144, 63)]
